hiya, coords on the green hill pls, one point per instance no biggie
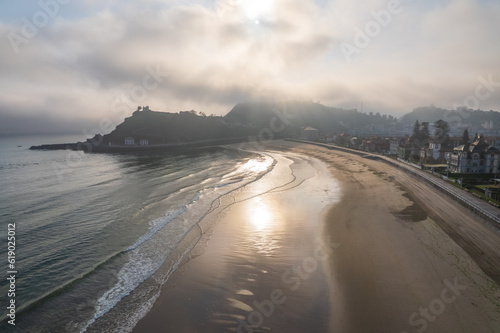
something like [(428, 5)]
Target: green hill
[(461, 116), (165, 127)]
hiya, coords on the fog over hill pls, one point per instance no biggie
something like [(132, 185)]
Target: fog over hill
[(243, 116), (460, 116)]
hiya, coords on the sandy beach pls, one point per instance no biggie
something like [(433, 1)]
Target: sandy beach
[(387, 255)]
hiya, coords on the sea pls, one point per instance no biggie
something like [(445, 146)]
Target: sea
[(93, 233)]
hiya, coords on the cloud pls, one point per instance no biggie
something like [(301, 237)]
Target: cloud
[(216, 55)]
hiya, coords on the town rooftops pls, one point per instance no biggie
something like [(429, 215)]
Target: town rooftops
[(478, 146)]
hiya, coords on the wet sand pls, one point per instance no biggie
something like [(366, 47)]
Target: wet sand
[(264, 267), (267, 266)]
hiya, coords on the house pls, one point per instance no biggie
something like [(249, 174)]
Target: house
[(309, 133), (408, 150), (394, 144), (129, 141), (404, 151), (376, 145), (476, 157), (438, 152)]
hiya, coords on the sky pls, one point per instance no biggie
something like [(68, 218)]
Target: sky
[(85, 65)]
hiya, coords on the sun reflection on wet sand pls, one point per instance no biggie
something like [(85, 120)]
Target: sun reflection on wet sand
[(260, 215), (251, 168), (264, 227), (256, 165)]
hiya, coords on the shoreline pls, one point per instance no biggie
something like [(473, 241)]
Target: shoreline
[(397, 259), (393, 260), (263, 266)]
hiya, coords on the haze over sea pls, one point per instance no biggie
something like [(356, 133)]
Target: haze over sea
[(91, 228)]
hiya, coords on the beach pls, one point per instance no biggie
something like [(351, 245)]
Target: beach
[(335, 243)]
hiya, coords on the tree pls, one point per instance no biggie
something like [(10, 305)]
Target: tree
[(424, 134), (465, 137), (441, 131), (416, 131)]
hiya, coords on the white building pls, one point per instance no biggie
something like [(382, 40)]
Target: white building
[(477, 157)]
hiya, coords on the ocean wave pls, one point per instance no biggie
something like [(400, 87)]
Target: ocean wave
[(152, 249), (157, 225)]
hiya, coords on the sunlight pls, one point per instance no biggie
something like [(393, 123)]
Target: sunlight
[(255, 165), (260, 215), (258, 9), (263, 223)]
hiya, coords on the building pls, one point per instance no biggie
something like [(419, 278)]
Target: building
[(376, 145), (438, 152), (394, 144), (144, 142), (408, 150), (493, 141), (435, 153), (405, 151), (309, 133), (476, 157), (129, 141)]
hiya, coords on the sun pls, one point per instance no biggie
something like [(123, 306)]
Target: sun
[(258, 10)]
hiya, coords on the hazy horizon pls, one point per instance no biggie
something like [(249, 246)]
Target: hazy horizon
[(76, 65)]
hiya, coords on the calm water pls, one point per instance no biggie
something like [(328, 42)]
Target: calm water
[(92, 228)]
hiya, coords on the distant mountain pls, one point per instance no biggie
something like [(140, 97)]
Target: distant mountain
[(302, 114), (462, 116)]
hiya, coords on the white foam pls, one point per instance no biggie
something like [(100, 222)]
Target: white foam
[(137, 269), (150, 250), (157, 225)]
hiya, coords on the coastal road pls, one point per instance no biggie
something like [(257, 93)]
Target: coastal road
[(474, 203), (478, 237)]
